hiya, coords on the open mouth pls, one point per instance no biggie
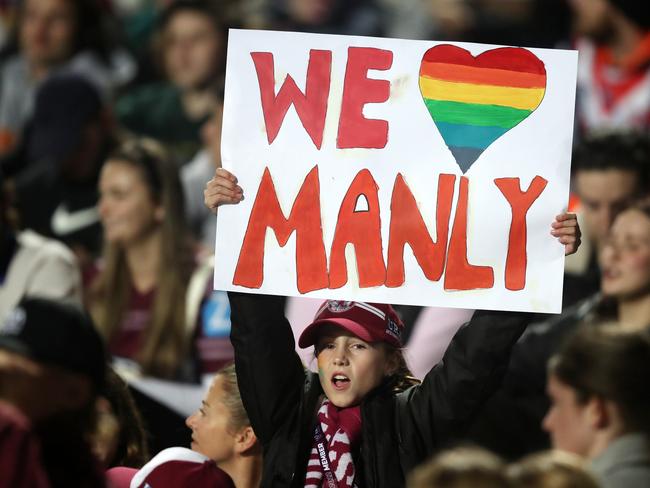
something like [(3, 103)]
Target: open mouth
[(340, 381), (610, 274)]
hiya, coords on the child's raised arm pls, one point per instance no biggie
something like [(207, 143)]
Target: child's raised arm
[(444, 405), (269, 372), (439, 411)]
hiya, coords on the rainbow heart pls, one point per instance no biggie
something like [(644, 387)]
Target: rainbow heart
[(475, 100)]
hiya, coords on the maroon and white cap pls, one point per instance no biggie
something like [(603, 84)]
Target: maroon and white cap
[(172, 468), (372, 322)]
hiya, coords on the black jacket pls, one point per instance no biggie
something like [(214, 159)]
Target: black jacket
[(399, 431)]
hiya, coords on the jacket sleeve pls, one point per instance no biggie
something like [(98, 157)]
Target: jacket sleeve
[(269, 372), (438, 411)]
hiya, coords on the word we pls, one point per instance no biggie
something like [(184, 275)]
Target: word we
[(354, 131)]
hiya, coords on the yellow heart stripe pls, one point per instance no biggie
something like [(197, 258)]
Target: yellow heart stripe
[(520, 98)]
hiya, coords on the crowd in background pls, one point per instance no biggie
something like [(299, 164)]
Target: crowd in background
[(110, 127)]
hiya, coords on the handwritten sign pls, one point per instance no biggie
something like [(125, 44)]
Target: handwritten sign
[(395, 171)]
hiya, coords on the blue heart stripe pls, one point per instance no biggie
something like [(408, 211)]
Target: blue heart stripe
[(471, 136)]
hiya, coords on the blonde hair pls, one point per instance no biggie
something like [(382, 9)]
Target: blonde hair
[(232, 399), (165, 340), (551, 469), (463, 467)]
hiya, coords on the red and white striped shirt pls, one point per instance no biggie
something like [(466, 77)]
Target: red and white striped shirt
[(613, 95)]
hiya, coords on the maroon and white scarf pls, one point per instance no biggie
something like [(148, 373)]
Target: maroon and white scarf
[(342, 430)]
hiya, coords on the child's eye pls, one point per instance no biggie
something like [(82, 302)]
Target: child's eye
[(359, 346), (631, 246)]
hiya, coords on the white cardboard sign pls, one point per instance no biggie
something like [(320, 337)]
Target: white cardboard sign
[(386, 170)]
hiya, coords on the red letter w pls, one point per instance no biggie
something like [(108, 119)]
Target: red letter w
[(311, 106)]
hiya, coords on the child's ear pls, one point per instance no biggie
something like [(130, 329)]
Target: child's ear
[(393, 361), (159, 213)]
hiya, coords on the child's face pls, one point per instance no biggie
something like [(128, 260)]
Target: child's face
[(349, 367)]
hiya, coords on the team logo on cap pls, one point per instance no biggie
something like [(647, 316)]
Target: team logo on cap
[(393, 329), (14, 322), (339, 306)]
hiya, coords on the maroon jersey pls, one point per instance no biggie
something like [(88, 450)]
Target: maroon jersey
[(129, 338), (20, 461)]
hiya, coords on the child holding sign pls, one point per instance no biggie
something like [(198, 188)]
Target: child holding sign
[(360, 421)]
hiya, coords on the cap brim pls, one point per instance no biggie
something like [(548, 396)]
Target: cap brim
[(310, 334)]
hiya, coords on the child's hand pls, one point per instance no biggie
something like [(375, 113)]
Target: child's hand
[(567, 231), (222, 189)]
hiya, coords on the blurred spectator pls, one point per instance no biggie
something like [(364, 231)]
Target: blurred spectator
[(7, 14), (551, 469), (461, 468), (353, 17), (600, 403), (534, 23), (52, 365), (138, 298), (213, 342), (625, 261), (55, 36), (225, 451), (609, 170), (510, 423), (192, 54), (32, 265), (405, 19), (450, 19), (138, 19), (148, 297), (212, 337), (194, 175), (119, 438), (69, 137), (613, 39)]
